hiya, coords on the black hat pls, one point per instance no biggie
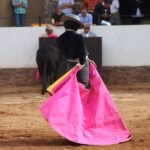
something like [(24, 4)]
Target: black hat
[(73, 18)]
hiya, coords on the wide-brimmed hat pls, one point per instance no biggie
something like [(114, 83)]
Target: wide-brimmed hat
[(73, 18)]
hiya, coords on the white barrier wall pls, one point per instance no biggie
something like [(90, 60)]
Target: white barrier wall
[(125, 45), (122, 45)]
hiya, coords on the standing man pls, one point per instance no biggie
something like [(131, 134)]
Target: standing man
[(66, 6), (115, 15), (20, 7), (137, 11), (73, 47)]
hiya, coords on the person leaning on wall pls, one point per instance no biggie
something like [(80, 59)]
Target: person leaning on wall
[(49, 32), (20, 7), (87, 31)]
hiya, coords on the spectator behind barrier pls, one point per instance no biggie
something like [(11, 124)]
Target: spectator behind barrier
[(137, 11), (90, 4), (49, 32), (85, 17), (102, 13), (115, 15), (87, 32), (66, 6), (56, 17), (20, 7)]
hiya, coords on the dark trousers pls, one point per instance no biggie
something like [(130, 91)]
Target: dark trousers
[(20, 20), (82, 75)]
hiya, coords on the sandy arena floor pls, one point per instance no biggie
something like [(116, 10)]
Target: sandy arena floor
[(23, 128)]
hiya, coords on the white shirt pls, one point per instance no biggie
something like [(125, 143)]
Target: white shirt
[(66, 10), (114, 7), (86, 35)]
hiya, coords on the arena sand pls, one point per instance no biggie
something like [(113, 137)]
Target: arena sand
[(23, 128)]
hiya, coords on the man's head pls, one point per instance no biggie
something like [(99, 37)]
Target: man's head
[(49, 29), (86, 28), (107, 3), (84, 11), (58, 11)]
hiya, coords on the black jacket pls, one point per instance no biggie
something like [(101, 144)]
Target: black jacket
[(98, 13), (72, 46)]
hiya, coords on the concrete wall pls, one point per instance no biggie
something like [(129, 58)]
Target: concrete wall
[(34, 10), (122, 45), (18, 46), (125, 45)]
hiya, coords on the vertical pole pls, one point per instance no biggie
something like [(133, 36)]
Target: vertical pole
[(40, 21)]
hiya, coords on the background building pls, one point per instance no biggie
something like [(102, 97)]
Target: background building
[(35, 9), (41, 10)]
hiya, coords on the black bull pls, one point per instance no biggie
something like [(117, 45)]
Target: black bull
[(48, 60)]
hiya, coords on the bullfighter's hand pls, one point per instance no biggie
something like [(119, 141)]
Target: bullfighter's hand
[(80, 66), (92, 62)]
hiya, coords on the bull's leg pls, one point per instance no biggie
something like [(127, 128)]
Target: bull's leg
[(55, 76), (44, 85), (51, 78), (43, 88), (44, 78), (48, 79)]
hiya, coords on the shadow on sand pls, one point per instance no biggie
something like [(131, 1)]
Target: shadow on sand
[(37, 142)]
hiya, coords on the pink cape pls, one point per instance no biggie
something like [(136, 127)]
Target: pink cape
[(85, 116), (52, 35)]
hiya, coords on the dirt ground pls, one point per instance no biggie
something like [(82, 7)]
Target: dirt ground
[(23, 128)]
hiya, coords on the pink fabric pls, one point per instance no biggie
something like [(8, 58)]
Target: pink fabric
[(37, 75), (58, 86), (86, 116), (52, 35)]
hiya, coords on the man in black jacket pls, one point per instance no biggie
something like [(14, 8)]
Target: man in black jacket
[(101, 12), (73, 48)]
